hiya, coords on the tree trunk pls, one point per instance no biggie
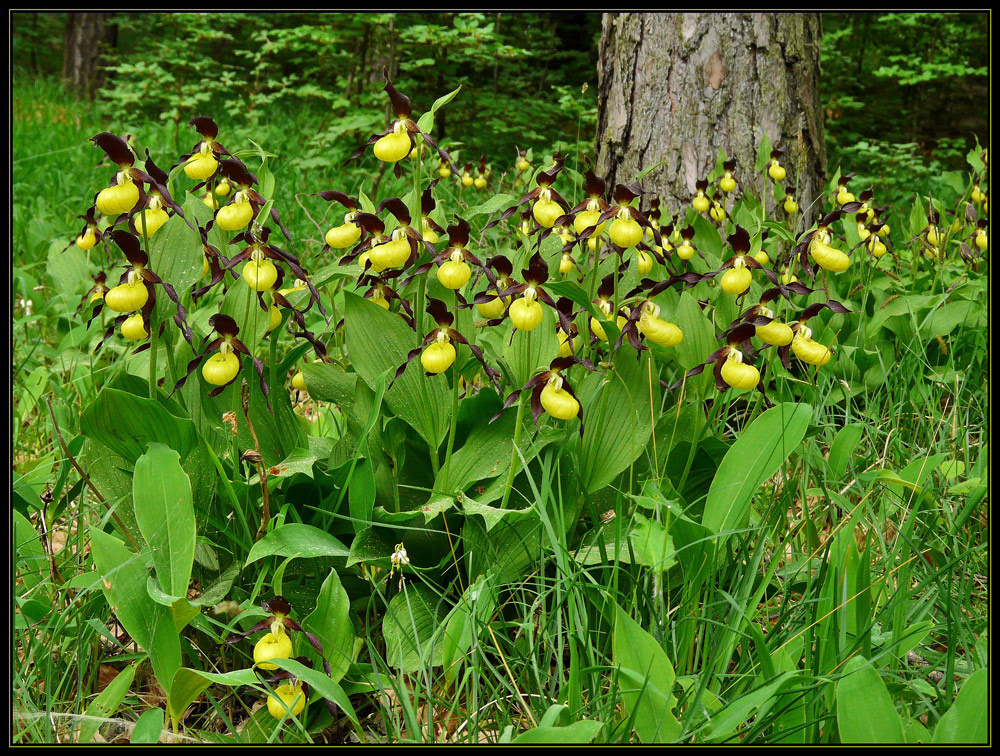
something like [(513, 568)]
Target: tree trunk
[(677, 87), (87, 35)]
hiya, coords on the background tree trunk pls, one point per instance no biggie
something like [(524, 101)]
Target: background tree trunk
[(677, 87), (87, 36)]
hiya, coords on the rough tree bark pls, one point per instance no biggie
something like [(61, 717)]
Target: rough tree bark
[(87, 35), (677, 87)]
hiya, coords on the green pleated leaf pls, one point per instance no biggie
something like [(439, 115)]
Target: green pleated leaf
[(372, 546), (186, 686), (411, 621), (843, 448), (297, 540), (161, 492), (106, 703), (127, 424), (176, 255), (583, 731), (490, 206), (426, 121), (378, 342), (470, 614), (331, 622), (646, 679), (486, 453), (758, 454), (967, 721), (865, 713), (148, 727), (123, 580), (699, 336), (618, 419), (328, 382)]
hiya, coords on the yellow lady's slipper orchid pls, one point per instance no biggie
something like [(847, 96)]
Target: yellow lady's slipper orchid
[(545, 211), (525, 312), (589, 219), (438, 356), (260, 274), (390, 255), (151, 219), (274, 318), (286, 699), (737, 374), (120, 198), (643, 262), (737, 279), (494, 308), (202, 164), (394, 146), (565, 343), (87, 239), (656, 329), (454, 273), (221, 367), (828, 257), (876, 246), (134, 329), (272, 646), (774, 333), (557, 401), (809, 351), (127, 297)]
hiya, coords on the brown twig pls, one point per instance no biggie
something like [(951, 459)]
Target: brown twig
[(254, 455), (86, 479)]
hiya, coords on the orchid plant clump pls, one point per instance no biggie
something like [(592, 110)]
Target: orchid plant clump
[(366, 383)]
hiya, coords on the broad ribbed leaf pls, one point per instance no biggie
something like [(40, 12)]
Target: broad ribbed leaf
[(123, 580), (758, 454), (967, 721), (127, 424), (297, 540), (646, 679), (331, 622), (485, 454), (699, 337), (865, 713), (378, 342), (176, 255), (161, 492), (411, 621), (618, 420)]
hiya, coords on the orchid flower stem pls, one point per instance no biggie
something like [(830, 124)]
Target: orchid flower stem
[(171, 367), (415, 213), (513, 455), (153, 348), (236, 392), (153, 345), (595, 274), (454, 415), (273, 356), (418, 308)]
